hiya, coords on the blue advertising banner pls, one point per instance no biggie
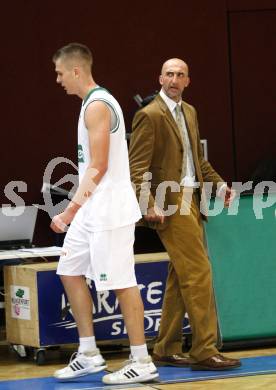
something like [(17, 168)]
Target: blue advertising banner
[(57, 326)]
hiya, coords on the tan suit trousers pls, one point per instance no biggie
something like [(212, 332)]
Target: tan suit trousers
[(189, 284)]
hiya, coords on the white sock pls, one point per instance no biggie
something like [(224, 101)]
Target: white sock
[(139, 351), (87, 344)]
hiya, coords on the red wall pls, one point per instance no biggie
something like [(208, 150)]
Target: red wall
[(253, 58)]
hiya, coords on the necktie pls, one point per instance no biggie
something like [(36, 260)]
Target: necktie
[(180, 124)]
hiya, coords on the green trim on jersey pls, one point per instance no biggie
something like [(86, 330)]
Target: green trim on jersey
[(105, 101), (92, 91), (115, 112), (113, 109)]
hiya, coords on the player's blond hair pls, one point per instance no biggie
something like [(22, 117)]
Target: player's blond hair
[(74, 52)]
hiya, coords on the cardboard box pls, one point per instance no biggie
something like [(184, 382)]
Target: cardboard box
[(21, 302)]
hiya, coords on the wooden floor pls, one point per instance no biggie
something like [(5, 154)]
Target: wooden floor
[(13, 368)]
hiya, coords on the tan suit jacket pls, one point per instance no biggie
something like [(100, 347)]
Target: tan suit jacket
[(156, 146)]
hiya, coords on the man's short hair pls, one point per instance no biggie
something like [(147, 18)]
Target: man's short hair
[(73, 51)]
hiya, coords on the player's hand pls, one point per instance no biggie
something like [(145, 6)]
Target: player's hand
[(58, 225), (154, 214), (61, 221)]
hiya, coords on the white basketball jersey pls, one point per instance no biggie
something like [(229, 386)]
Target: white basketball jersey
[(113, 204)]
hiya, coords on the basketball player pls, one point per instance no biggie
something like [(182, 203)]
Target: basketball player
[(102, 214)]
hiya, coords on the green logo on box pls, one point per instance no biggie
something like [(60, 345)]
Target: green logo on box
[(19, 293)]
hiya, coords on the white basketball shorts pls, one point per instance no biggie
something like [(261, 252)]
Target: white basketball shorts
[(105, 257)]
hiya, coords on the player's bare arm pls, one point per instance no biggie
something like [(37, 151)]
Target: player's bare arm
[(97, 120)]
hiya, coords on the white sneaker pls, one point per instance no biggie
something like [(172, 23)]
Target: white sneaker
[(82, 364), (140, 370)]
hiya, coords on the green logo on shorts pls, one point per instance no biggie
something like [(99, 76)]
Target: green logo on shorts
[(103, 277)]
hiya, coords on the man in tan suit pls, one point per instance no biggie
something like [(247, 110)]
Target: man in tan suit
[(168, 170)]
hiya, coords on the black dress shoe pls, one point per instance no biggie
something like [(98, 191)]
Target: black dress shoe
[(172, 360), (217, 363)]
